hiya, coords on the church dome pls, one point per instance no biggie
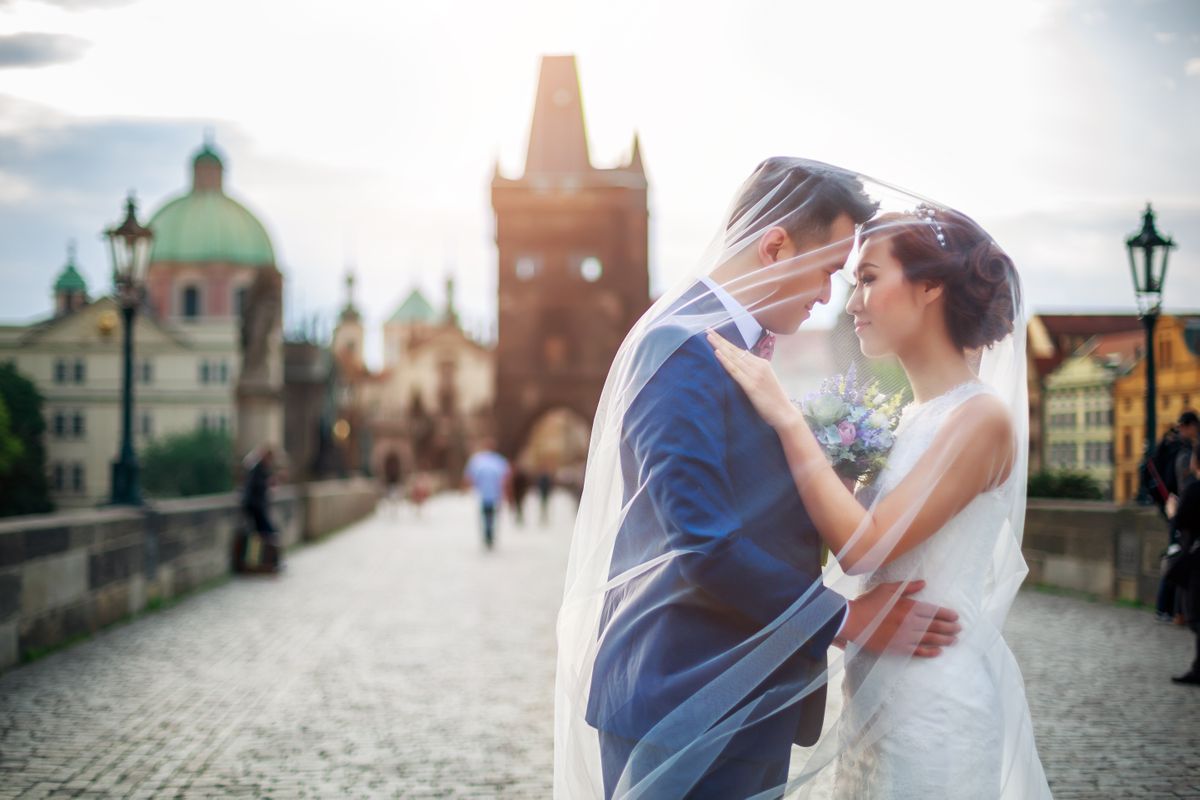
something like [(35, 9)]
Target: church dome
[(207, 225)]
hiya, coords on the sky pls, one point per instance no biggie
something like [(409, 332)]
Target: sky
[(364, 133)]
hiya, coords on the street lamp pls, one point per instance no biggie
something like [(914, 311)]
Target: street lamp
[(1148, 251), (129, 246)]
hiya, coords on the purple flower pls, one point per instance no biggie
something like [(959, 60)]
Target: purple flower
[(847, 432)]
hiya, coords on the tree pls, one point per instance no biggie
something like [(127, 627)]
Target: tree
[(11, 447), (185, 464), (23, 487)]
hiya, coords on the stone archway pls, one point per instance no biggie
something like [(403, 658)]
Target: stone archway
[(555, 439)]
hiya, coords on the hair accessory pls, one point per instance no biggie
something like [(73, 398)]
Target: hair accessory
[(925, 214)]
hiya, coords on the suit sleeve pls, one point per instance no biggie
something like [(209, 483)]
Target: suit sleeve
[(676, 432)]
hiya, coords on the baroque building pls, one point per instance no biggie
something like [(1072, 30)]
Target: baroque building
[(429, 404)]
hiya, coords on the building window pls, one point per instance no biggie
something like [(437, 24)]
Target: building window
[(59, 478), (80, 370), (77, 475), (1127, 444), (1098, 454), (223, 373), (60, 370), (78, 428), (205, 370), (190, 302), (146, 371), (60, 424), (146, 424), (528, 267)]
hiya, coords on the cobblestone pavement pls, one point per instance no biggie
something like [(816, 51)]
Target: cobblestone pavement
[(398, 659)]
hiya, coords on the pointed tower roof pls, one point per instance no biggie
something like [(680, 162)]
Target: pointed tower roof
[(558, 137), (635, 158), (415, 308)]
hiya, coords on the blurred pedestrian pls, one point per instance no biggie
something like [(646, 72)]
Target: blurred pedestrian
[(520, 488), (488, 472), (419, 491), (1172, 460), (544, 484), (259, 476), (1185, 569), (391, 483)]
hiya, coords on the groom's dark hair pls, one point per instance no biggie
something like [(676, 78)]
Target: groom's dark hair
[(803, 197)]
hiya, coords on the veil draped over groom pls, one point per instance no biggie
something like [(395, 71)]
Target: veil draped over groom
[(696, 610)]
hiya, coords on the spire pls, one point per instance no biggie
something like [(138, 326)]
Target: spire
[(635, 158), (349, 312), (558, 137), (451, 311)]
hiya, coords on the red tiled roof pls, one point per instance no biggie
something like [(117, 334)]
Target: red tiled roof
[(1089, 324)]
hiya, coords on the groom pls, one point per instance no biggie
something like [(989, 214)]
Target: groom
[(706, 481)]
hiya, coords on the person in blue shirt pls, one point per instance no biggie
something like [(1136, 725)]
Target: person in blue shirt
[(489, 473)]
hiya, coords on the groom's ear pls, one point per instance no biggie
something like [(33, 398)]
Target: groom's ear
[(772, 246)]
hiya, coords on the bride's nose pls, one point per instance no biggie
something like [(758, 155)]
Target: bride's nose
[(854, 302)]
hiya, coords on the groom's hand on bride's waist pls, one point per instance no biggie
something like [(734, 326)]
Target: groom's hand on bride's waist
[(887, 620)]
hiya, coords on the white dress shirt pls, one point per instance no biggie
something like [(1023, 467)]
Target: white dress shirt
[(746, 324)]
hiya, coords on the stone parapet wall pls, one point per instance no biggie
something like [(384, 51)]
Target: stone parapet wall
[(1097, 548), (68, 574)]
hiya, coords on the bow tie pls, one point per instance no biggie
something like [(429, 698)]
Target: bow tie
[(765, 346)]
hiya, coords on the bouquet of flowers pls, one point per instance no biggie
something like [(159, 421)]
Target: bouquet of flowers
[(855, 425)]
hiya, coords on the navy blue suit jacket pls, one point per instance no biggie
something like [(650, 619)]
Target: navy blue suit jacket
[(717, 491)]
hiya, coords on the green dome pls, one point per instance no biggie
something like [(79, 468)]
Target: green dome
[(207, 225), (69, 280)]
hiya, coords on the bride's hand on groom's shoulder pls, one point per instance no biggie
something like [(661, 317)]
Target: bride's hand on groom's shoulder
[(910, 627), (757, 380)]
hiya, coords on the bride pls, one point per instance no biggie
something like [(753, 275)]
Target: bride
[(932, 289)]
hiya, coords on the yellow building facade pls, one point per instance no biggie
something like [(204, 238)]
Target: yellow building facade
[(1177, 368)]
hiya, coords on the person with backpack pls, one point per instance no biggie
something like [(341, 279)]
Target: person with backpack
[(1184, 572), (1170, 475)]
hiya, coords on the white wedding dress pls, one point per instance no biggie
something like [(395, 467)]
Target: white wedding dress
[(936, 728)]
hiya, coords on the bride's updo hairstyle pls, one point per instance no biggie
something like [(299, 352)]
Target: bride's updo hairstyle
[(949, 248)]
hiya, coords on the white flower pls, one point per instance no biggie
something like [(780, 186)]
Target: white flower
[(826, 409), (878, 420)]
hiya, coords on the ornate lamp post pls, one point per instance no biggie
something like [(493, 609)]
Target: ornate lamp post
[(1148, 251), (129, 245)]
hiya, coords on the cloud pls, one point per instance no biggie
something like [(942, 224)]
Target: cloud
[(1166, 38), (1192, 68), (39, 49), (76, 5)]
